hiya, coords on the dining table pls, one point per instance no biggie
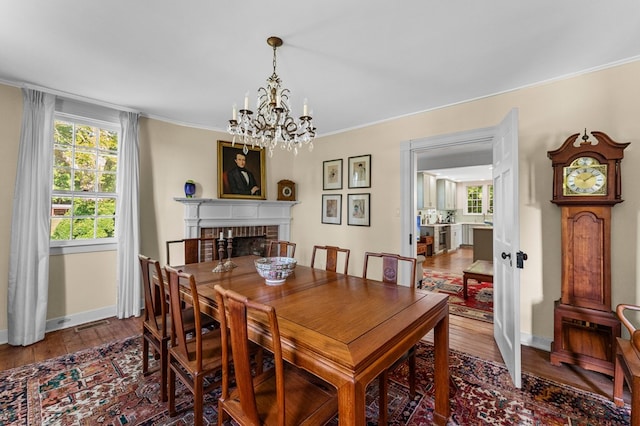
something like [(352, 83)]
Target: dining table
[(345, 329)]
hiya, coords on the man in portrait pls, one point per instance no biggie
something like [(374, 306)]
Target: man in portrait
[(241, 180)]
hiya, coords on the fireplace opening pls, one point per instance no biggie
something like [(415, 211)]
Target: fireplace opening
[(244, 246)]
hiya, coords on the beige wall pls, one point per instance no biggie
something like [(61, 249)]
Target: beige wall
[(606, 100)]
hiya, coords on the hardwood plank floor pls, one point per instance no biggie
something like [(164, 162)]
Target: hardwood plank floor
[(466, 335), (463, 331)]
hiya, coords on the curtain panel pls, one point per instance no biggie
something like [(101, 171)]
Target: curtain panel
[(128, 219), (28, 285)]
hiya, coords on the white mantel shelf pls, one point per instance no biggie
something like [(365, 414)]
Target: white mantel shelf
[(215, 212)]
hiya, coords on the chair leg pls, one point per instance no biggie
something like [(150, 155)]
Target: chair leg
[(383, 400), (198, 389), (618, 382), (222, 415), (412, 372), (145, 355), (164, 365), (635, 400), (172, 391)]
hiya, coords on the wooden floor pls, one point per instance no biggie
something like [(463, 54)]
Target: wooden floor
[(466, 335), (476, 338)]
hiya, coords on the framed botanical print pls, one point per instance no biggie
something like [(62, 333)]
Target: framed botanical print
[(332, 174), (359, 209), (332, 209), (241, 174), (360, 171)]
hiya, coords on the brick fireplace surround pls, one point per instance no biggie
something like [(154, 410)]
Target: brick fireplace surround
[(207, 217)]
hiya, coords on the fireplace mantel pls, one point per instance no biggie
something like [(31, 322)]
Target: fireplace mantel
[(214, 212)]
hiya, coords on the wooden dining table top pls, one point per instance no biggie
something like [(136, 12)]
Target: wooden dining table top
[(342, 328)]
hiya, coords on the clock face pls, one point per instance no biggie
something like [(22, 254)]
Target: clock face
[(585, 176), (286, 191)]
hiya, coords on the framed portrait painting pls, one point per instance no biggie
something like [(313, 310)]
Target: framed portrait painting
[(332, 174), (240, 174), (332, 209), (359, 209), (360, 171)]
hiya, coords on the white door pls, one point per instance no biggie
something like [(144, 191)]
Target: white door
[(506, 241)]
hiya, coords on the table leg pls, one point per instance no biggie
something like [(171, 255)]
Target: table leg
[(464, 286), (441, 347), (351, 404)]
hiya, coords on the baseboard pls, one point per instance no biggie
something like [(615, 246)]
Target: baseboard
[(542, 343), (70, 321)]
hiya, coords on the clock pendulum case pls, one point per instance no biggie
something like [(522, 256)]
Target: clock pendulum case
[(586, 185)]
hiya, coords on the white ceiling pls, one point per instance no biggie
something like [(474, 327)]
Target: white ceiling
[(358, 62)]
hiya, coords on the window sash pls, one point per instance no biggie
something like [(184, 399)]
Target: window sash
[(73, 193)]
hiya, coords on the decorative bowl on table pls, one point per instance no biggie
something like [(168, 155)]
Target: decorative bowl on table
[(275, 270)]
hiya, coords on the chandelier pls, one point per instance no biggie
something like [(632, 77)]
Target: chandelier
[(272, 125)]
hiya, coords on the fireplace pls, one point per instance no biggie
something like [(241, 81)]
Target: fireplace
[(253, 223)]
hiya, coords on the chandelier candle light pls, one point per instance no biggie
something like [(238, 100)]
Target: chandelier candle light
[(273, 124)]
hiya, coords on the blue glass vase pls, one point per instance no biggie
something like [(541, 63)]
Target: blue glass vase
[(189, 188)]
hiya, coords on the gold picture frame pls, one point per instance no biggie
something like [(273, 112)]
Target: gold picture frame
[(235, 182)]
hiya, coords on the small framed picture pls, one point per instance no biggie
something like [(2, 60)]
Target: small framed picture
[(359, 209), (332, 209), (332, 174), (360, 171)]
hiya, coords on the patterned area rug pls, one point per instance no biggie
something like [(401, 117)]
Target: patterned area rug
[(105, 386), (479, 303)]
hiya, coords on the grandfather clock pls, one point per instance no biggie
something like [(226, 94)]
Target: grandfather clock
[(586, 185)]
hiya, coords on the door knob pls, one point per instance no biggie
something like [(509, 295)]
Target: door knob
[(505, 255)]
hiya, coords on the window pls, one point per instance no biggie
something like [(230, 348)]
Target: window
[(83, 200), (479, 199), (474, 199), (490, 209)]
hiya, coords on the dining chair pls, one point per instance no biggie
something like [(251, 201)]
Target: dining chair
[(195, 249), (627, 364), (332, 254), (282, 395), (156, 325), (390, 264), (191, 359), (281, 248)]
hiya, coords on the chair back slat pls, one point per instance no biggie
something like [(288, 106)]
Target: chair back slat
[(195, 250), (178, 332), (390, 264), (331, 262), (155, 297), (237, 308), (281, 248)]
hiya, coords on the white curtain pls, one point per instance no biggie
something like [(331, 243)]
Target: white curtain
[(128, 219), (29, 253)]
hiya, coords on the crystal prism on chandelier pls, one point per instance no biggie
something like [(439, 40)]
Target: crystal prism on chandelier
[(273, 125)]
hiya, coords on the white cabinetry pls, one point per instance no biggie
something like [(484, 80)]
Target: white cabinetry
[(456, 237), (446, 190), (429, 191)]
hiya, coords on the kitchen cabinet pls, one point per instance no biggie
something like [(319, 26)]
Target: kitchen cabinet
[(467, 234), (440, 234), (429, 199), (446, 194), (455, 236)]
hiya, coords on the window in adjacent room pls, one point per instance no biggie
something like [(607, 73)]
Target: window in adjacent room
[(479, 199), (85, 162), (474, 199)]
